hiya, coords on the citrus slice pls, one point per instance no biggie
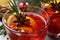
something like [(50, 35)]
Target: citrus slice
[(11, 19), (32, 22), (26, 29)]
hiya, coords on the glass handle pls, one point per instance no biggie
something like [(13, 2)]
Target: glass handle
[(58, 35)]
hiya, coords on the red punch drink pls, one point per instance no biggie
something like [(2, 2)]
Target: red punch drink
[(33, 29), (54, 27)]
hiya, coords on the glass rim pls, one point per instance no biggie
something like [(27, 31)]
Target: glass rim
[(44, 11), (28, 32)]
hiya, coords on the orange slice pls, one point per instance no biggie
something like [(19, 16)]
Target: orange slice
[(13, 18), (32, 22)]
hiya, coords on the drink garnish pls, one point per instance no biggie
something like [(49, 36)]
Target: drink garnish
[(21, 18), (55, 5)]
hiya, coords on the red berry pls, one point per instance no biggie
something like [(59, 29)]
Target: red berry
[(23, 6)]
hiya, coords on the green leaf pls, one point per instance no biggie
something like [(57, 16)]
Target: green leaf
[(2, 30)]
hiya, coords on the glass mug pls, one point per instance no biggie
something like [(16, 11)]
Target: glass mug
[(39, 20), (54, 26)]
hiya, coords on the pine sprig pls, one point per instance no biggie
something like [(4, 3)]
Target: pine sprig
[(2, 30), (21, 18), (36, 2), (14, 6), (33, 2)]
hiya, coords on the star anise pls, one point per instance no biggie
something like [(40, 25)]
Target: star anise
[(21, 19), (55, 6)]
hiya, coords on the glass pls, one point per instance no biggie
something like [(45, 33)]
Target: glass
[(39, 20), (54, 27)]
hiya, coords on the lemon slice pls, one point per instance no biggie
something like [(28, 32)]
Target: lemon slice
[(33, 23), (11, 19)]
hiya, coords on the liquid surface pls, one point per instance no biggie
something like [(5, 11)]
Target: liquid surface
[(36, 23)]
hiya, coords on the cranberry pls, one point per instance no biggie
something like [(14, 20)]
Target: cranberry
[(23, 5)]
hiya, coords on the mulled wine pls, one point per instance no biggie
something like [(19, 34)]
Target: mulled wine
[(54, 26), (29, 25), (33, 30)]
